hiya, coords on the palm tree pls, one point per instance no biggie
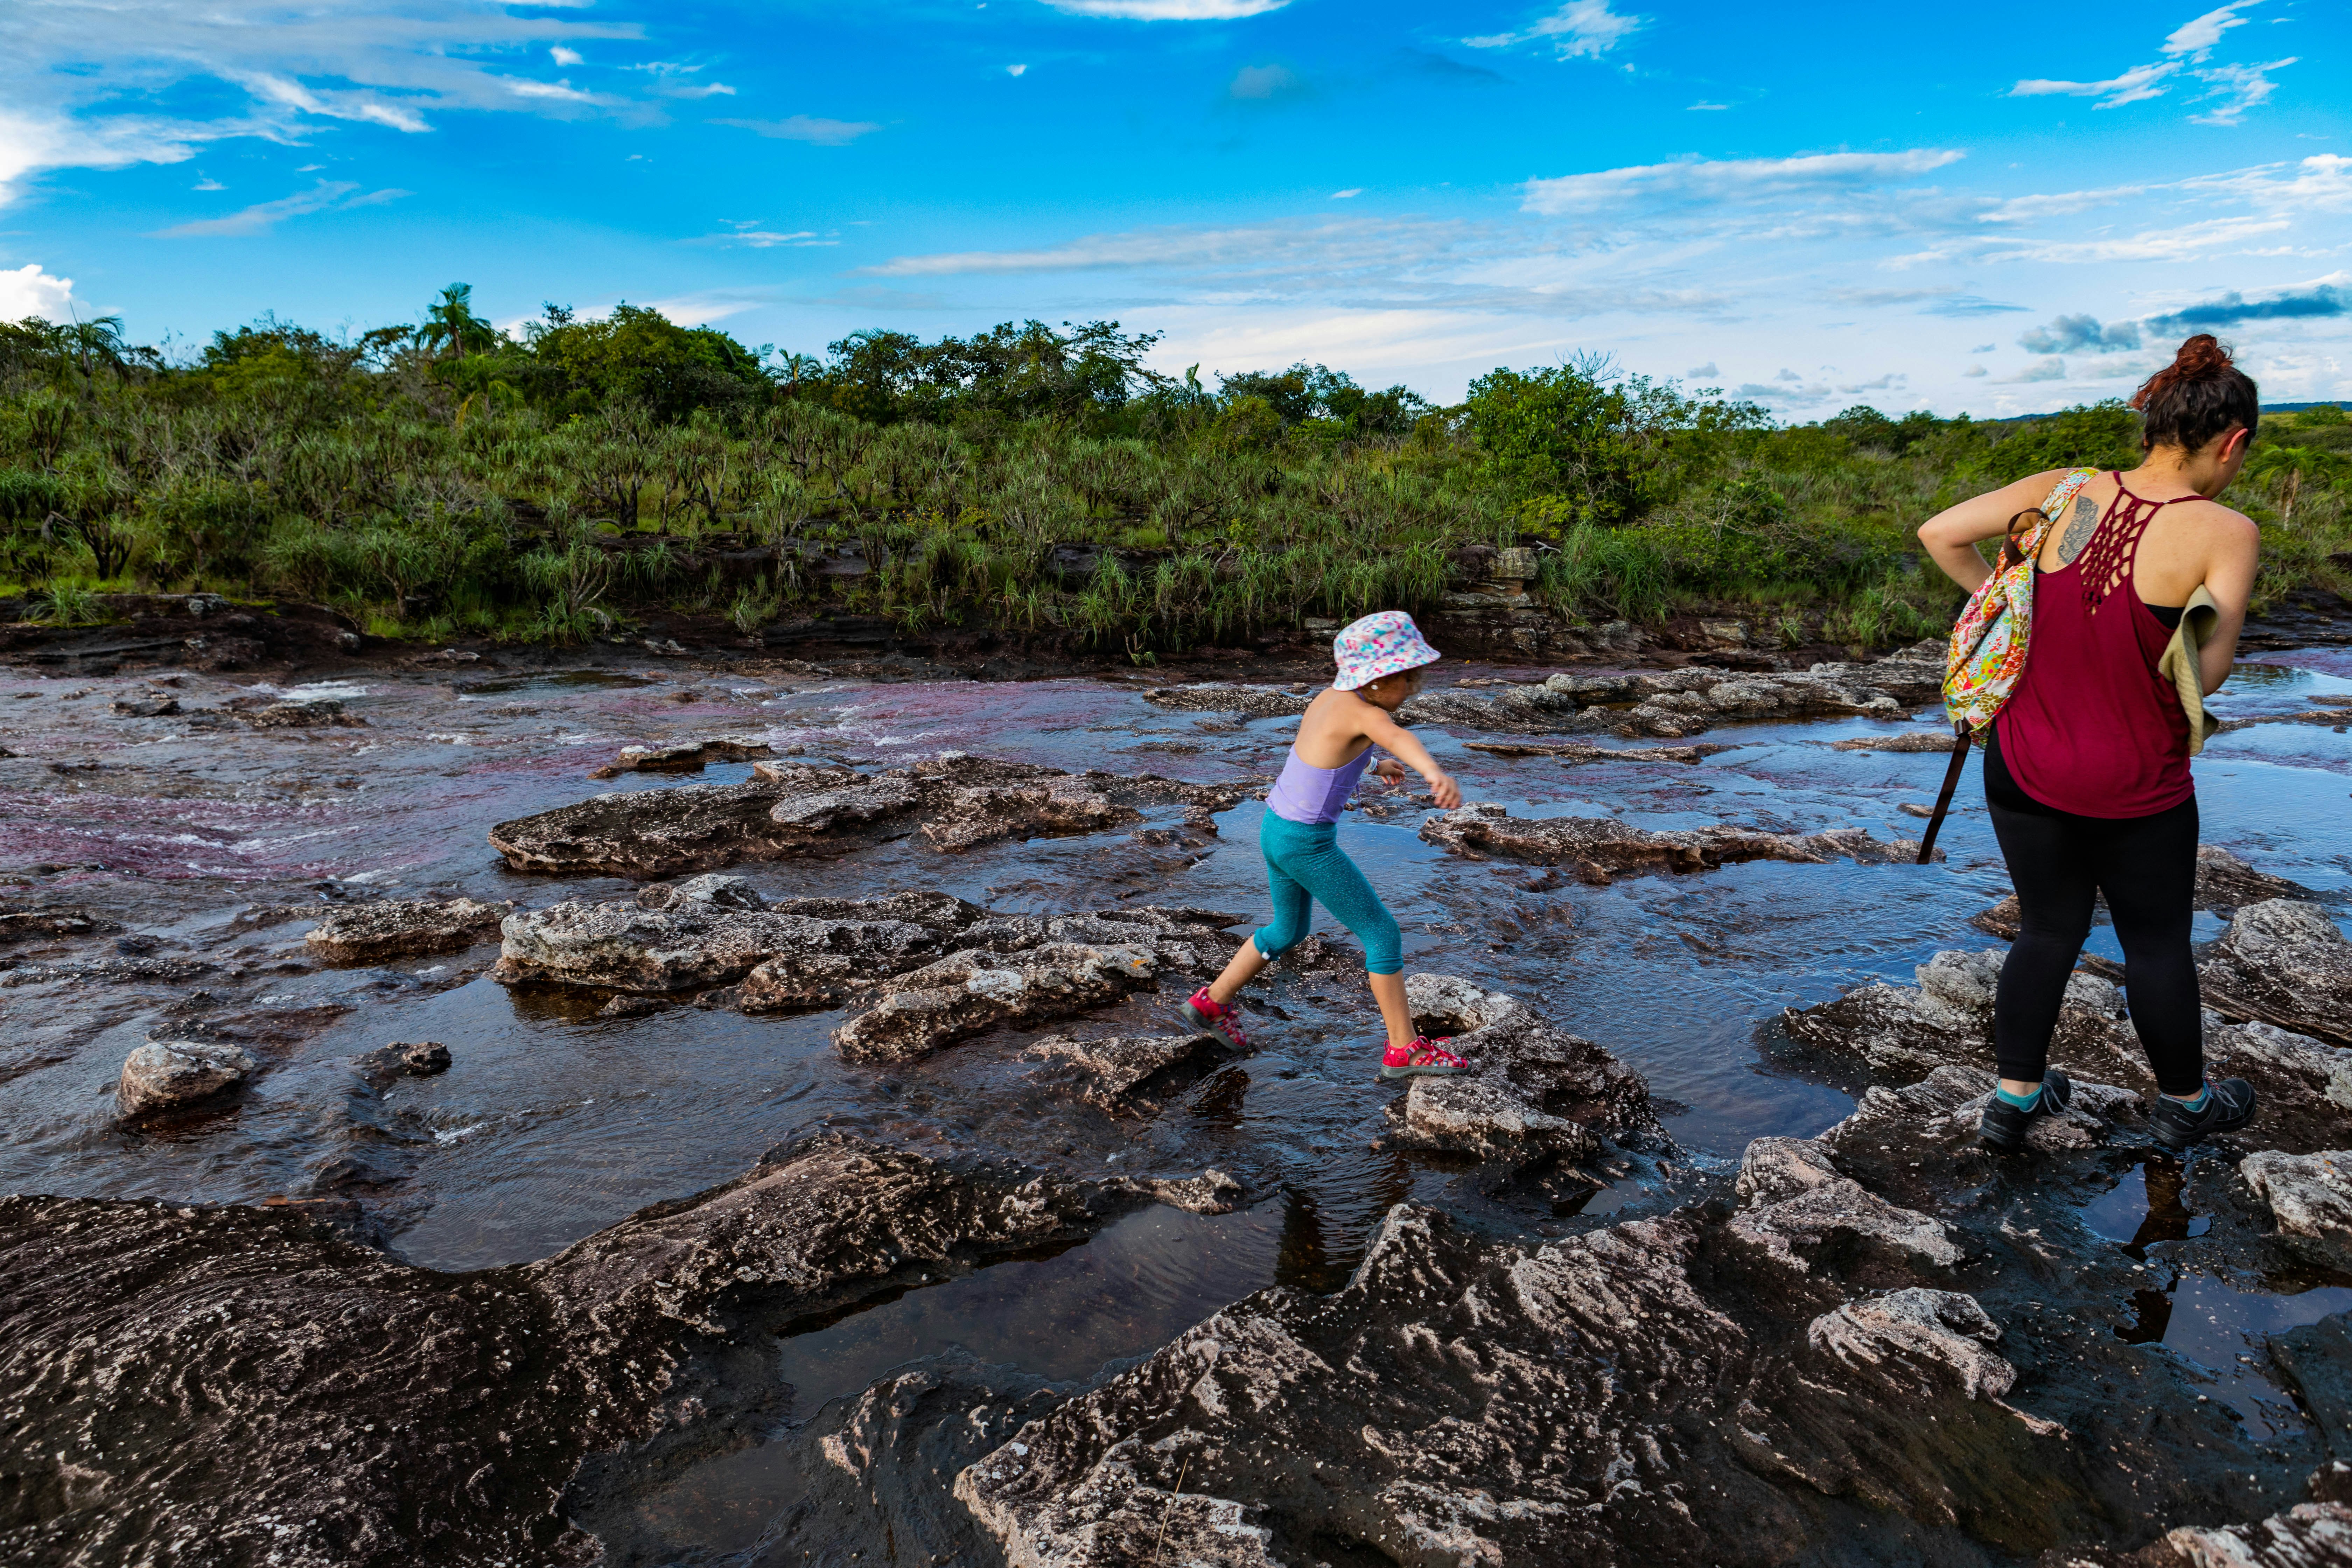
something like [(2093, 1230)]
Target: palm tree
[(99, 337), (450, 323)]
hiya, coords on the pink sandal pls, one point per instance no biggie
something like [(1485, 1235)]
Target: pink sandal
[(1423, 1057), (1202, 1013)]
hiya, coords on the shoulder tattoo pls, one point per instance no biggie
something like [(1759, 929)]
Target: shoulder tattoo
[(2081, 523)]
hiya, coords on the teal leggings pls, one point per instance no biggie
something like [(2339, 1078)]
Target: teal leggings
[(1304, 863)]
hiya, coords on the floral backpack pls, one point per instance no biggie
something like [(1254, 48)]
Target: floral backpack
[(1987, 656)]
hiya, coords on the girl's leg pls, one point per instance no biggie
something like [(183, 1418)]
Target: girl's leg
[(2148, 869), (2055, 891), (1341, 887), (1247, 961)]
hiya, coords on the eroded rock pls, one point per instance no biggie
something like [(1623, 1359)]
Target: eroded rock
[(2310, 1198), (1599, 849), (2283, 962), (52, 921), (1129, 1075), (715, 929), (163, 1075), (682, 756), (1535, 1092), (792, 809), (402, 928), (421, 1059), (1800, 1213)]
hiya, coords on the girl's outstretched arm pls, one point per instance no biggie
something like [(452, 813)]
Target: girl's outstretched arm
[(1401, 743)]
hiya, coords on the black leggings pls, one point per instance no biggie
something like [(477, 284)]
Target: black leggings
[(2146, 867)]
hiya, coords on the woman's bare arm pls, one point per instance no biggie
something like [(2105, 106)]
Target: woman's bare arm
[(1951, 535), (2230, 573)]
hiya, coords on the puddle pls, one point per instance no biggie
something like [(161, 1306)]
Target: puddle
[(2222, 1329), (2145, 1208)]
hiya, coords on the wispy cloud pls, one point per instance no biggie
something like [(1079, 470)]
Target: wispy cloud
[(2187, 48), (2040, 370), (2135, 86), (1580, 29), (1349, 194), (564, 57), (1169, 10), (808, 128), (747, 233), (1696, 182), (2081, 334), (260, 218)]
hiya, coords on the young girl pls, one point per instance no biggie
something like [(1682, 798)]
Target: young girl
[(1380, 660)]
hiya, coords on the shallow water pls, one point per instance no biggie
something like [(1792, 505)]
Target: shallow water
[(553, 1124)]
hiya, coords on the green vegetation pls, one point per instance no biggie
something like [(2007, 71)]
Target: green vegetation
[(450, 478)]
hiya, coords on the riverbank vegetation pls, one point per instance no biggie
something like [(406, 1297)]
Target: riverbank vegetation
[(451, 479)]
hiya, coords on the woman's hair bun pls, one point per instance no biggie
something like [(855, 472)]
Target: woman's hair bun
[(2200, 394), (2201, 358)]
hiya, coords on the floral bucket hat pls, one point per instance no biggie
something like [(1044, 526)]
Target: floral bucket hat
[(1382, 645)]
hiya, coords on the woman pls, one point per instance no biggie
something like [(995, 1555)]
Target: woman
[(2086, 769), (1380, 660)]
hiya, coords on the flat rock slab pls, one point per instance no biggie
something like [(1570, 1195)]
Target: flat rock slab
[(55, 921), (402, 928), (163, 1075), (1599, 849), (791, 808), (1912, 741), (1574, 752)]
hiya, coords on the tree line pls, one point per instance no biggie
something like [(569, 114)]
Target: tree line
[(448, 478)]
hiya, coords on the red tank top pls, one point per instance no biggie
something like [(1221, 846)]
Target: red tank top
[(2091, 729)]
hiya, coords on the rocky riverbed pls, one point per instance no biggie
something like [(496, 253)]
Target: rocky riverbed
[(649, 1111)]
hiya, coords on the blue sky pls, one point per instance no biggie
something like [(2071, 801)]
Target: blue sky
[(1815, 206)]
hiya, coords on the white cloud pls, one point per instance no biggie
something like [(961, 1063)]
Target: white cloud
[(564, 57), (560, 92), (1016, 70), (2196, 38), (1702, 372), (208, 183), (1975, 371), (1703, 105), (2040, 370), (1349, 194), (749, 233), (808, 128), (1699, 180), (30, 292), (1581, 29), (261, 217), (1169, 10), (2135, 86)]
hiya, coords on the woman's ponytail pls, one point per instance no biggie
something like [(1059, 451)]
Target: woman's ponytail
[(2200, 396)]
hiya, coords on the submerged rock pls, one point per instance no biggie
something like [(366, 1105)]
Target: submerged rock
[(1214, 697), (399, 928), (2283, 962), (1534, 1092), (52, 921), (1598, 849), (1585, 752), (715, 929), (423, 1059), (323, 713), (789, 808), (1910, 741), (163, 1075)]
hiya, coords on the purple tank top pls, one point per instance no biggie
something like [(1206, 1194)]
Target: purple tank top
[(1315, 794)]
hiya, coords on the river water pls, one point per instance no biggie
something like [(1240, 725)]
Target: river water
[(553, 1122)]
